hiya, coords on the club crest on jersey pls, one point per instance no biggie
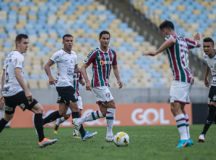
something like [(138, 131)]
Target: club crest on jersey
[(102, 62)]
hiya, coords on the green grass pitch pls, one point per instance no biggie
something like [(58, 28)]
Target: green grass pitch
[(146, 143)]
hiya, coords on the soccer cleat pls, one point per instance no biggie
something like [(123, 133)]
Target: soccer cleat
[(182, 144), (201, 138), (109, 137), (76, 133), (76, 123), (190, 142), (88, 135), (45, 142)]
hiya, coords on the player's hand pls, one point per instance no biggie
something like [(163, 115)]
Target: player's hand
[(150, 53), (52, 81), (120, 84), (28, 95), (88, 86), (197, 37), (1, 102), (206, 82)]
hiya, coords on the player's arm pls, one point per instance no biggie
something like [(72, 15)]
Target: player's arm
[(2, 85), (81, 80), (194, 43), (168, 43), (85, 76), (206, 79), (48, 71), (116, 73), (22, 83)]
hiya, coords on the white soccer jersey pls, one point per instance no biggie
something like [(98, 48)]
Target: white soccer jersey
[(65, 65), (11, 86), (211, 62)]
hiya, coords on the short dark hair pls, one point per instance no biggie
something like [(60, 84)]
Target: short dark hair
[(104, 32), (67, 35), (19, 37), (208, 39), (167, 24)]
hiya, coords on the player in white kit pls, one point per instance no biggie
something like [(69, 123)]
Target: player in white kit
[(210, 59), (78, 79), (16, 92), (66, 61)]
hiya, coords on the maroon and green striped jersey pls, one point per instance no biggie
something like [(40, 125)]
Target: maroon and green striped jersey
[(77, 77), (178, 58), (101, 66)]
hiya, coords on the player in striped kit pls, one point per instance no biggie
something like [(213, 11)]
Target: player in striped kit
[(78, 79), (177, 48), (102, 59), (210, 59)]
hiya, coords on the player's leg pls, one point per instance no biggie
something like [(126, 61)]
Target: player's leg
[(37, 108), (110, 116), (180, 123), (9, 109), (211, 113), (61, 120)]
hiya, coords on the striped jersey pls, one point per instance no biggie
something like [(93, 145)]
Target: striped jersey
[(178, 57), (211, 62), (101, 66), (77, 77)]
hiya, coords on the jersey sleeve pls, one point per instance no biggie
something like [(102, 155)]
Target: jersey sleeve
[(18, 62), (91, 57), (55, 57), (191, 43)]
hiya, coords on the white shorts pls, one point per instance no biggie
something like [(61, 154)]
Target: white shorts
[(102, 94), (180, 92), (79, 103)]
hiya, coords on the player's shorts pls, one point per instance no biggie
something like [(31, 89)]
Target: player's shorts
[(102, 94), (20, 100), (79, 104), (212, 94), (180, 92), (66, 94)]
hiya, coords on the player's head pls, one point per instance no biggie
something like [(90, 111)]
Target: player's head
[(22, 42), (166, 27), (208, 46), (104, 38), (67, 41)]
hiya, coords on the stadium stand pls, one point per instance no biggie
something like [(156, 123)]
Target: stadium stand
[(47, 21), (189, 17)]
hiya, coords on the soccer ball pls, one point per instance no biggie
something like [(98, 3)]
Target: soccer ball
[(121, 139)]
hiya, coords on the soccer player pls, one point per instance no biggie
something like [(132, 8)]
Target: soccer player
[(210, 59), (177, 48), (16, 92), (66, 61), (102, 59), (78, 79)]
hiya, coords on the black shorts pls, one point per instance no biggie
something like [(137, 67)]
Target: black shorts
[(66, 94), (212, 94), (18, 99)]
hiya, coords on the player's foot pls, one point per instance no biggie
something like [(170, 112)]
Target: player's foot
[(45, 142), (190, 142), (201, 138), (88, 135), (109, 137), (76, 133), (182, 144), (76, 123), (56, 129)]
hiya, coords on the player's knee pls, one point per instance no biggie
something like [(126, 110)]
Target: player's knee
[(111, 104), (38, 109)]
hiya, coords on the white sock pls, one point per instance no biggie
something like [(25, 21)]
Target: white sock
[(181, 125), (91, 116), (187, 125), (110, 116), (60, 120)]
